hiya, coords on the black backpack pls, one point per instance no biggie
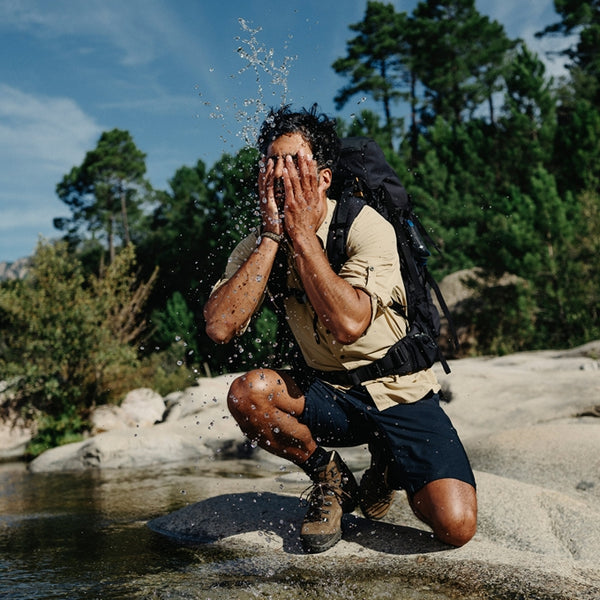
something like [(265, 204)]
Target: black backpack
[(364, 177)]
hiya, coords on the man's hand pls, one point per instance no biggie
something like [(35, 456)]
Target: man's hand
[(303, 208), (271, 219)]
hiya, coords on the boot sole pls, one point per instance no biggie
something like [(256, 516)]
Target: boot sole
[(313, 544)]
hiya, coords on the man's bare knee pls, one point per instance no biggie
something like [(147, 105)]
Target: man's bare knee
[(457, 526), (250, 391), (449, 507)]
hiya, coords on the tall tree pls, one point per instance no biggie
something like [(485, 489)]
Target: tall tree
[(459, 55), (106, 191), (580, 17), (577, 148), (176, 233), (526, 128), (376, 62)]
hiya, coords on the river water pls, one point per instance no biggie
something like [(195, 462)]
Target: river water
[(84, 535)]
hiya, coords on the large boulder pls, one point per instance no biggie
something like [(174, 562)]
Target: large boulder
[(198, 425), (126, 448), (529, 422)]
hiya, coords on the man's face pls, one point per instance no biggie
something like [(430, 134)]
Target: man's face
[(288, 144)]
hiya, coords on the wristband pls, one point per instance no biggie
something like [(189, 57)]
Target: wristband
[(276, 237)]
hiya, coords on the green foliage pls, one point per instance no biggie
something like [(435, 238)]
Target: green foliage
[(53, 431), (502, 166), (66, 336), (374, 62), (458, 55), (507, 193), (582, 17), (176, 326), (163, 371)]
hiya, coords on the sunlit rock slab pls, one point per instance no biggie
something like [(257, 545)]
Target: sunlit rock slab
[(531, 540)]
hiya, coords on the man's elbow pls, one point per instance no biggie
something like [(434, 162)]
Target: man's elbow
[(218, 333), (348, 331)]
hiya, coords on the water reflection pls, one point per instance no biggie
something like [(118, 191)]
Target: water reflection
[(80, 535)]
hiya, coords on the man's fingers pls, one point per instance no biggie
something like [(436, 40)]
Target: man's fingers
[(293, 178)]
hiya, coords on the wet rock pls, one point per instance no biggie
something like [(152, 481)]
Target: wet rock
[(532, 542)]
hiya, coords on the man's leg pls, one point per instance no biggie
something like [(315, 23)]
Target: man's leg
[(449, 507), (266, 404)]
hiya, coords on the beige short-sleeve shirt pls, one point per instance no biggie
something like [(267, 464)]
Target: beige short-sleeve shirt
[(373, 266)]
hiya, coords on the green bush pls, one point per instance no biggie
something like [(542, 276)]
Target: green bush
[(66, 336)]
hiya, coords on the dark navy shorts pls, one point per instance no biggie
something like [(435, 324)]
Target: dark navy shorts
[(417, 440)]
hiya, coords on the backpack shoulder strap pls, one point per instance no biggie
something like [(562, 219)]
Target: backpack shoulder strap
[(346, 210)]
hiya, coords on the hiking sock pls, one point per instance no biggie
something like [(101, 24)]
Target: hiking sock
[(316, 461)]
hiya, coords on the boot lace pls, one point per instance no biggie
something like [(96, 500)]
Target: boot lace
[(320, 497)]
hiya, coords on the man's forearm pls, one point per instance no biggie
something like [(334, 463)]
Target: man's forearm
[(343, 309), (230, 306)]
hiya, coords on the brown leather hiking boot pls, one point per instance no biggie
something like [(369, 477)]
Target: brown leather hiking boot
[(374, 494), (332, 494)]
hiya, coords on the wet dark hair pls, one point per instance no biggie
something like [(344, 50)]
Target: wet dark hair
[(316, 128)]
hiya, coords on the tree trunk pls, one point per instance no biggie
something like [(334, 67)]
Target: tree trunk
[(111, 238), (126, 237)]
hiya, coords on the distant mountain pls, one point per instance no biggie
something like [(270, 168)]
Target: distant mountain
[(14, 270)]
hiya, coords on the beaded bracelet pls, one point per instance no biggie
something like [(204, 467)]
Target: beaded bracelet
[(276, 237)]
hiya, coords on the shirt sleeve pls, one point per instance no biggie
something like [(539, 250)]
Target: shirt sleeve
[(373, 264), (237, 258)]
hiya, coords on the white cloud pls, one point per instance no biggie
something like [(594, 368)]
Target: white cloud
[(142, 30), (33, 215), (41, 138), (52, 133), (138, 32), (131, 26)]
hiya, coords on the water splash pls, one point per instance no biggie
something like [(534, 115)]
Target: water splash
[(261, 62), (270, 77)]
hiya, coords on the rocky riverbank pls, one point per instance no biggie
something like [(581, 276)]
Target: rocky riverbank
[(529, 422)]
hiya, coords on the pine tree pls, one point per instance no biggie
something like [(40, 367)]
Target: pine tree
[(376, 62), (105, 192), (458, 55)]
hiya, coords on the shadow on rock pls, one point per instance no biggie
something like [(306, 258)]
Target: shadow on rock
[(390, 538), (270, 516)]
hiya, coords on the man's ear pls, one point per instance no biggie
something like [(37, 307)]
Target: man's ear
[(325, 177)]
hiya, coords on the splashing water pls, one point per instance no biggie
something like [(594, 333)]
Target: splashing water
[(269, 77)]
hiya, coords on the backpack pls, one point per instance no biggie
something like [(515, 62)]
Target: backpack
[(364, 177)]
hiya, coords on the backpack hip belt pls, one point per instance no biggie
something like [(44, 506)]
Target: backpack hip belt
[(415, 352)]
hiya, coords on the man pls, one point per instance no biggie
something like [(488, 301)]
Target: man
[(340, 322)]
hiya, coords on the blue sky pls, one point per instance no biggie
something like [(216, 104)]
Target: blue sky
[(170, 73)]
